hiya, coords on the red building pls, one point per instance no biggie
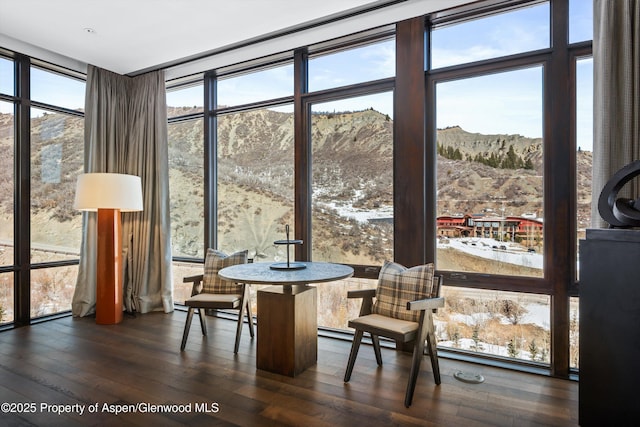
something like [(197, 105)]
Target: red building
[(525, 230), (455, 226)]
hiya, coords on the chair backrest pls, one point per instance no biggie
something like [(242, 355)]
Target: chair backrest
[(215, 261), (437, 286), (398, 285)]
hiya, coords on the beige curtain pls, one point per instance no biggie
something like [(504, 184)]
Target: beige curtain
[(616, 128), (126, 132)]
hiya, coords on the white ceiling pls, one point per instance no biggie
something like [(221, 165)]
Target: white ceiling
[(131, 36)]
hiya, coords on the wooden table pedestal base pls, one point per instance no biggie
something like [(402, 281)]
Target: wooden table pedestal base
[(287, 329)]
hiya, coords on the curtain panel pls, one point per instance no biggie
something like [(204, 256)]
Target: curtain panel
[(616, 95), (126, 132)]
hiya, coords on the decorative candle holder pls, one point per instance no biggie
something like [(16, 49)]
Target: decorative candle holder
[(288, 265)]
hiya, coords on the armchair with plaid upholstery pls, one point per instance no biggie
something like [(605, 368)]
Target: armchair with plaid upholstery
[(211, 292), (403, 311)]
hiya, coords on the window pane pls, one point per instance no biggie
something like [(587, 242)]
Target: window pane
[(574, 333), (52, 290), (507, 324), (183, 101), (352, 184), (255, 181), (334, 308), (493, 36), (580, 20), (584, 141), (272, 83), (6, 76), (357, 65), (6, 183), (6, 294), (490, 186), (57, 147), (186, 181), (180, 270), (58, 90)]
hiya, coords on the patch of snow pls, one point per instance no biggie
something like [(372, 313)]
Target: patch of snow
[(347, 210), (491, 249)]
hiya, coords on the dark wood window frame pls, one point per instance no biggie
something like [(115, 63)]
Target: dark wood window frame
[(559, 281), (22, 265), (414, 161), (415, 154)]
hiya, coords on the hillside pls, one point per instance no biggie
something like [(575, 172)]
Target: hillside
[(352, 174), (473, 144), (352, 204)]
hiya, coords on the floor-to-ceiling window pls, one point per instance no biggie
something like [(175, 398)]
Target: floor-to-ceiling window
[(254, 159), (496, 105), (249, 155), (352, 180), (42, 135), (580, 35), (350, 137), (186, 181), (351, 141), (7, 183), (490, 179), (496, 80), (252, 143), (352, 192), (57, 157)]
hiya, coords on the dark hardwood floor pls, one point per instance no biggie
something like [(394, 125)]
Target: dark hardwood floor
[(77, 363)]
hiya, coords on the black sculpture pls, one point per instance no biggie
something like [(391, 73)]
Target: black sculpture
[(620, 212)]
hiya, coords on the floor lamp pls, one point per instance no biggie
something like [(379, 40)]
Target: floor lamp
[(109, 194)]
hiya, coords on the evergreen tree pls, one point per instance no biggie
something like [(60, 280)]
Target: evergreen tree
[(476, 339), (456, 339), (508, 160), (494, 161), (533, 350), (511, 160), (528, 164), (511, 349)]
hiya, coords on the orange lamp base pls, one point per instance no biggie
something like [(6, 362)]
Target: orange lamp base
[(109, 268)]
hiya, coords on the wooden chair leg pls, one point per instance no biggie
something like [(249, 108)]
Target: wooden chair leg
[(187, 326), (203, 322), (239, 327), (418, 349), (249, 315), (433, 351), (355, 346), (245, 309), (376, 348)]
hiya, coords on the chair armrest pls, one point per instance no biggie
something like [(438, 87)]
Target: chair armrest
[(425, 304), (191, 279), (197, 283), (361, 293), (367, 296)]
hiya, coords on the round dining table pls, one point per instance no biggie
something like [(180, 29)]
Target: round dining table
[(287, 313)]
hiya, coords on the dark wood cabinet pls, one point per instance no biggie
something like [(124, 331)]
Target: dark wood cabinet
[(610, 328)]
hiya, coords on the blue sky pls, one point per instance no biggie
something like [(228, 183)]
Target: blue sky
[(46, 87), (500, 103), (508, 102)]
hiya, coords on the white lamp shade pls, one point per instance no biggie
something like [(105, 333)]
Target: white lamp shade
[(108, 191)]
